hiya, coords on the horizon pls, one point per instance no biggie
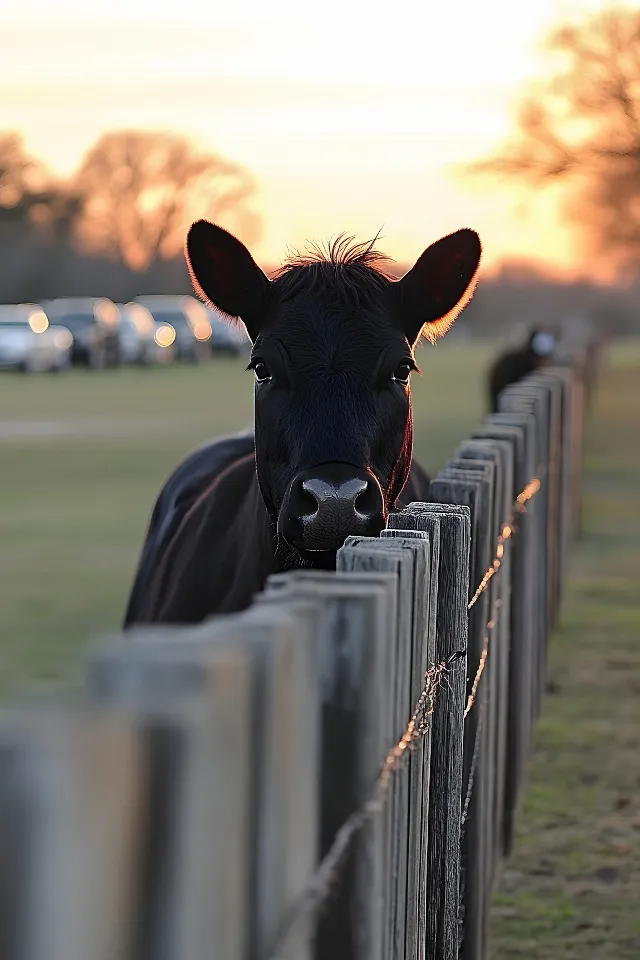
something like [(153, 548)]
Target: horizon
[(331, 149)]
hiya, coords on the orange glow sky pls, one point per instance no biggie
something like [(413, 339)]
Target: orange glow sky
[(350, 114)]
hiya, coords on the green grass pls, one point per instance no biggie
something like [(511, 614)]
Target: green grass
[(571, 889), (74, 508)]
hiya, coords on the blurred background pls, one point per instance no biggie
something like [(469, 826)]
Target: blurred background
[(285, 123), (289, 122)]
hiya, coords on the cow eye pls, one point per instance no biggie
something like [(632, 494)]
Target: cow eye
[(402, 373), (261, 371)]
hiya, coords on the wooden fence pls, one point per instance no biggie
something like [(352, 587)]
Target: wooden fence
[(331, 774)]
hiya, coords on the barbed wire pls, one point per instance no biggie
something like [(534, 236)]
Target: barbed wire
[(483, 656), (465, 809), (327, 874), (508, 529), (506, 532), (474, 764)]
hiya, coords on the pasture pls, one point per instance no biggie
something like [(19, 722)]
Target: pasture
[(572, 885), (82, 459)]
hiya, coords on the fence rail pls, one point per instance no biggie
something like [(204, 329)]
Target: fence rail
[(331, 774)]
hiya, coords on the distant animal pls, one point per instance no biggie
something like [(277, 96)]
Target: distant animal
[(513, 365), (331, 450)]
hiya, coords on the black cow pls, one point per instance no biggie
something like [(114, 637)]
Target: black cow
[(333, 351), (513, 365)]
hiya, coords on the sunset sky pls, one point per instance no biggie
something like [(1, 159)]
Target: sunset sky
[(351, 116)]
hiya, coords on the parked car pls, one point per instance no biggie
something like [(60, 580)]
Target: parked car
[(142, 339), (188, 318), (93, 321), (28, 342), (227, 336)]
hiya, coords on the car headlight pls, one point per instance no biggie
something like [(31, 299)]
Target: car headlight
[(63, 339), (165, 335), (202, 330)]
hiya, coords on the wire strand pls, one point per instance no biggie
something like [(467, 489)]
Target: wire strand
[(506, 532), (327, 874)]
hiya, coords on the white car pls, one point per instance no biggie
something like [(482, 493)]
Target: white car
[(188, 318), (142, 340), (93, 322), (28, 342)]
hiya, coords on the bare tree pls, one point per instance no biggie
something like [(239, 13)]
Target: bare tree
[(30, 196), (19, 173), (142, 189), (37, 217), (581, 128)]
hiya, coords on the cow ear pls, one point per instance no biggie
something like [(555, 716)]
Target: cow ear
[(224, 273), (439, 286)]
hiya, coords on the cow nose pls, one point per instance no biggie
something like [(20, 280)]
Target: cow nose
[(326, 504)]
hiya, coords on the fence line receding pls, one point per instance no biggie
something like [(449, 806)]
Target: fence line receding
[(331, 774)]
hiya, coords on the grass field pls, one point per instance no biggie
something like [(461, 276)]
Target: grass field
[(571, 890), (81, 460)]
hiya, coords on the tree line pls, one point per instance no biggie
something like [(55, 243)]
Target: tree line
[(117, 225), (119, 222), (579, 129)]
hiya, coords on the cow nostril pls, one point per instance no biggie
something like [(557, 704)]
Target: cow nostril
[(366, 501), (306, 502), (326, 504)]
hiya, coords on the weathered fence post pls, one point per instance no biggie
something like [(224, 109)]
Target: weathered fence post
[(511, 620), (553, 386), (498, 643), (279, 730), (185, 706), (525, 397), (566, 484), (72, 781), (356, 634), (410, 558), (425, 613), (445, 794), (523, 657), (466, 482)]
